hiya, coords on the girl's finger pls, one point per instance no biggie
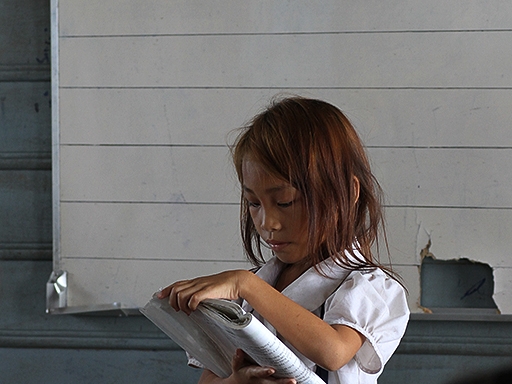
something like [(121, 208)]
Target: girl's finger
[(163, 292), (178, 299), (166, 291)]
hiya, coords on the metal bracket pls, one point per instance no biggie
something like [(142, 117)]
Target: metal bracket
[(57, 291), (57, 301)]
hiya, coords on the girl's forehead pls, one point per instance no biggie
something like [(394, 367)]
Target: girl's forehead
[(254, 173)]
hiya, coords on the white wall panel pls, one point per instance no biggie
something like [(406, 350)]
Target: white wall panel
[(503, 281), (447, 177), (148, 174), (383, 117), (156, 115), (439, 59), (128, 17), (150, 231)]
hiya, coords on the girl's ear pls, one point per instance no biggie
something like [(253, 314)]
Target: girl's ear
[(356, 189)]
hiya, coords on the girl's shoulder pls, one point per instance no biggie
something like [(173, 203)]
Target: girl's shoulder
[(371, 281)]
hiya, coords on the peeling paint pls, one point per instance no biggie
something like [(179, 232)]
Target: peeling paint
[(425, 252)]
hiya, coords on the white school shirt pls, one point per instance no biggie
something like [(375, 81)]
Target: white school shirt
[(370, 302)]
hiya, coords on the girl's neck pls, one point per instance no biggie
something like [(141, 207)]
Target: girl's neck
[(289, 273)]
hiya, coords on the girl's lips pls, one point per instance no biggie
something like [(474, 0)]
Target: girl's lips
[(276, 246)]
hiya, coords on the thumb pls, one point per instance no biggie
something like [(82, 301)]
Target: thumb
[(238, 360)]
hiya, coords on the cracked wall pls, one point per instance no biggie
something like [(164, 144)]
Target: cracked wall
[(476, 236)]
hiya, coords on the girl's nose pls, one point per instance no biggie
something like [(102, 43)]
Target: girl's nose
[(270, 221)]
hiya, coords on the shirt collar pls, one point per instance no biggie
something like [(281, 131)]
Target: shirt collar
[(311, 289)]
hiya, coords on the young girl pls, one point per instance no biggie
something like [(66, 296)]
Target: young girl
[(308, 194)]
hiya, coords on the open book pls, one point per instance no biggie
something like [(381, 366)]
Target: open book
[(213, 332)]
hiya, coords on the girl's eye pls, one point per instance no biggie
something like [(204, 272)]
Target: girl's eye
[(285, 205), (253, 204)]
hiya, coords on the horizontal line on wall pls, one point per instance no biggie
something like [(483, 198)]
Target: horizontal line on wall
[(237, 203), (426, 147), (24, 73), (447, 207), (219, 87), (67, 257), (412, 264), (25, 161), (420, 147), (146, 145), (291, 33), (147, 202)]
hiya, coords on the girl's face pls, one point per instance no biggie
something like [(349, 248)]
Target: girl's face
[(278, 212)]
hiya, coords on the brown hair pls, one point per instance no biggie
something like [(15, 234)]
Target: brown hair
[(312, 145)]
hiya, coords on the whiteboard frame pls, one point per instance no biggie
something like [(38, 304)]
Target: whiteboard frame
[(56, 287), (57, 284)]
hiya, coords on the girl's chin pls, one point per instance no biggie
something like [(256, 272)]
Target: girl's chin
[(286, 258)]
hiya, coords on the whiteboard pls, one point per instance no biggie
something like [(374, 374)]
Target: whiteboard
[(144, 97)]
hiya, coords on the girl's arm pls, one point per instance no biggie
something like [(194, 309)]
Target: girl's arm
[(328, 346)]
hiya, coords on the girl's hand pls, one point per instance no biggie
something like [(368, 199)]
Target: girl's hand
[(187, 294), (245, 373)]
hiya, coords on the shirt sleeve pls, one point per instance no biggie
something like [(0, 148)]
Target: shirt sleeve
[(374, 305)]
